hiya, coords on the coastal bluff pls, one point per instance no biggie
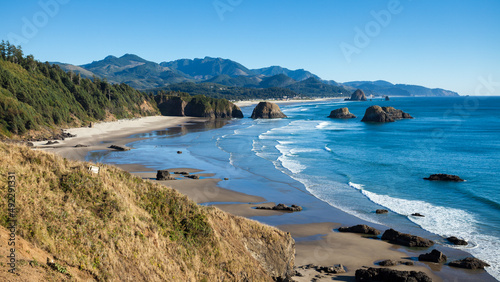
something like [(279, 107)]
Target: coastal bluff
[(197, 106), (267, 110), (138, 229), (384, 114)]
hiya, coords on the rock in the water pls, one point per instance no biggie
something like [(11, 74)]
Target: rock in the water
[(469, 263), (399, 238), (434, 256), (358, 95), (456, 241), (267, 110), (384, 114), (418, 214), (389, 262), (119, 148), (361, 228), (341, 113), (163, 175), (387, 98), (282, 207), (380, 211), (179, 152), (444, 177), (390, 275), (181, 172)]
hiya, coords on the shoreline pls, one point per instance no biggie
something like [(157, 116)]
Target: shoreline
[(313, 239)]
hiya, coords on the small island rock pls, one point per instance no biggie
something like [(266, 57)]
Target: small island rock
[(390, 275), (387, 98), (267, 110), (381, 211), (358, 95), (384, 114), (341, 113), (444, 177)]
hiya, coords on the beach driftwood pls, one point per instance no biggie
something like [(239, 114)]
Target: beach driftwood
[(361, 228), (444, 177), (403, 239)]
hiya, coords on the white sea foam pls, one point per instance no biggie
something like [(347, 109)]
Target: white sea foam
[(322, 124), (328, 149), (445, 222)]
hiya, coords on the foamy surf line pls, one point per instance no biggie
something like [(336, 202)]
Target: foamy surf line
[(445, 222)]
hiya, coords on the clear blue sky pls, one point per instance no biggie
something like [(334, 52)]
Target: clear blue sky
[(446, 44)]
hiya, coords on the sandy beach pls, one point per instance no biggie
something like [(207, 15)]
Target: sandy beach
[(316, 242)]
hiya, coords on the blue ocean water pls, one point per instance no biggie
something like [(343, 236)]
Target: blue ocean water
[(359, 167)]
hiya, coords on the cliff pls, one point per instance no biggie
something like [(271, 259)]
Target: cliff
[(196, 106), (115, 226)]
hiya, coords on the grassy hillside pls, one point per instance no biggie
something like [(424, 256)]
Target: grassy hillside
[(115, 226), (38, 97)]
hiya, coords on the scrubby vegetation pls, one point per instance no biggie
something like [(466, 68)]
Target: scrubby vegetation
[(116, 226), (38, 96)]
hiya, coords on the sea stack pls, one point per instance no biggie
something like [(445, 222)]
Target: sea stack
[(267, 110), (341, 113), (384, 114), (387, 98), (358, 95)]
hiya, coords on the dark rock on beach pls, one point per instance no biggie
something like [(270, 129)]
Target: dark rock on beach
[(389, 262), (469, 263), (390, 275), (456, 241), (403, 239), (163, 175), (384, 114), (282, 207), (380, 211), (267, 110), (192, 176), (358, 95), (80, 146), (361, 228), (434, 256), (119, 148), (444, 177), (341, 113), (51, 142)]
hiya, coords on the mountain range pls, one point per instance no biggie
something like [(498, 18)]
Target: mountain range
[(146, 75)]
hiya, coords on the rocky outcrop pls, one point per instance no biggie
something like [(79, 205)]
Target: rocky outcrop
[(417, 214), (197, 106), (387, 98), (361, 228), (384, 114), (403, 239), (444, 177), (390, 275), (381, 211), (267, 110), (119, 148), (341, 113), (358, 95), (469, 263), (456, 241), (282, 207), (434, 256), (389, 262), (163, 175)]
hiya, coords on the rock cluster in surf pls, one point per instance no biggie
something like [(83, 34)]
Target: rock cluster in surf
[(384, 114)]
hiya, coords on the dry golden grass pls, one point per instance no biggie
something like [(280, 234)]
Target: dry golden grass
[(118, 227)]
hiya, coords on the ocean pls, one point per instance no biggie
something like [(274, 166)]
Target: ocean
[(354, 166)]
